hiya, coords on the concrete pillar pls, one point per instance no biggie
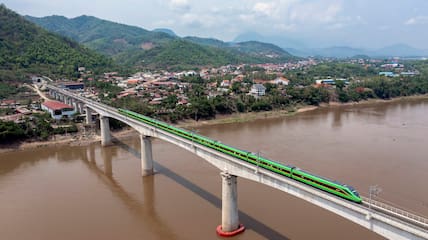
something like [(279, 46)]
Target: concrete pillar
[(80, 107), (146, 155), (229, 208), (88, 115), (105, 131), (76, 106)]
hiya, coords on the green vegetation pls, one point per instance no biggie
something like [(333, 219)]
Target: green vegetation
[(7, 90), (107, 90), (103, 36), (384, 88), (179, 55), (37, 127), (27, 49), (335, 69), (10, 132)]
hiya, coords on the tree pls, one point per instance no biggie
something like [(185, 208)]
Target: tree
[(10, 132), (339, 84)]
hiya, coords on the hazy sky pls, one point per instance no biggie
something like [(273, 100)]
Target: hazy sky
[(357, 23)]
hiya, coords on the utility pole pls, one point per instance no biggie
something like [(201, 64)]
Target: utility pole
[(374, 191), (258, 161)]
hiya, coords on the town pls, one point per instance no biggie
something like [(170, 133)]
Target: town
[(155, 88)]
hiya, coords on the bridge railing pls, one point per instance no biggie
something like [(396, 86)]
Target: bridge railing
[(397, 211)]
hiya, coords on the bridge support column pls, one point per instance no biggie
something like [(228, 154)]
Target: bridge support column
[(88, 115), (105, 131), (80, 107), (146, 155), (229, 210)]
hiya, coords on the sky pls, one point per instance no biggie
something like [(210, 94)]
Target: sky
[(318, 23)]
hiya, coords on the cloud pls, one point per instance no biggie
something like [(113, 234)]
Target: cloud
[(181, 5), (315, 12), (417, 20), (263, 8), (285, 27)]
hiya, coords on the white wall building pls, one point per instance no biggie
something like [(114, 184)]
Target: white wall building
[(58, 110)]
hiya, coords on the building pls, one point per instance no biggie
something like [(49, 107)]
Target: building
[(58, 110), (73, 85), (225, 84), (258, 90), (388, 74), (280, 81), (409, 73), (330, 81)]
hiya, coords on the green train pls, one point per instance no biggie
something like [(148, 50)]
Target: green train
[(295, 173)]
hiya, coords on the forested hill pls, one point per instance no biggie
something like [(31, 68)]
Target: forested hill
[(28, 49), (137, 46), (103, 36)]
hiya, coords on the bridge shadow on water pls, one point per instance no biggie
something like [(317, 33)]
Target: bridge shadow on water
[(131, 202), (249, 221)]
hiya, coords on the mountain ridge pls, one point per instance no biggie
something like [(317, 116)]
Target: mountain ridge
[(135, 45), (300, 48)]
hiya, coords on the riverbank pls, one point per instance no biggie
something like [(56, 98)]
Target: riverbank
[(251, 116), (83, 139)]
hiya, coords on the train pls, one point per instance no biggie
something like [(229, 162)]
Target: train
[(327, 185)]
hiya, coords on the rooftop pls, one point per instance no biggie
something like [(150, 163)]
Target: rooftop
[(55, 105)]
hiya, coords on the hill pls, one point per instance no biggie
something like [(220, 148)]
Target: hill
[(134, 45), (27, 49), (262, 50), (165, 30), (103, 36)]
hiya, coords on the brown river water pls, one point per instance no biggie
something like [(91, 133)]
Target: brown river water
[(91, 192)]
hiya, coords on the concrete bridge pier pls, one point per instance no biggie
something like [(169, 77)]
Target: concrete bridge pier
[(146, 155), (80, 106), (88, 115), (230, 225), (105, 131)]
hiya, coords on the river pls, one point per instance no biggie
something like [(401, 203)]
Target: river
[(91, 192)]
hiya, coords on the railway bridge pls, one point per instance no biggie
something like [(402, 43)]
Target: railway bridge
[(385, 220)]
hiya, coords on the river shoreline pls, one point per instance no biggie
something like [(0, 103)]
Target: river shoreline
[(80, 139)]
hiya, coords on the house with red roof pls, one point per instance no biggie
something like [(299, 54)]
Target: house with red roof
[(58, 110)]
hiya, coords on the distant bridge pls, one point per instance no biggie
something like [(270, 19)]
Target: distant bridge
[(383, 219)]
